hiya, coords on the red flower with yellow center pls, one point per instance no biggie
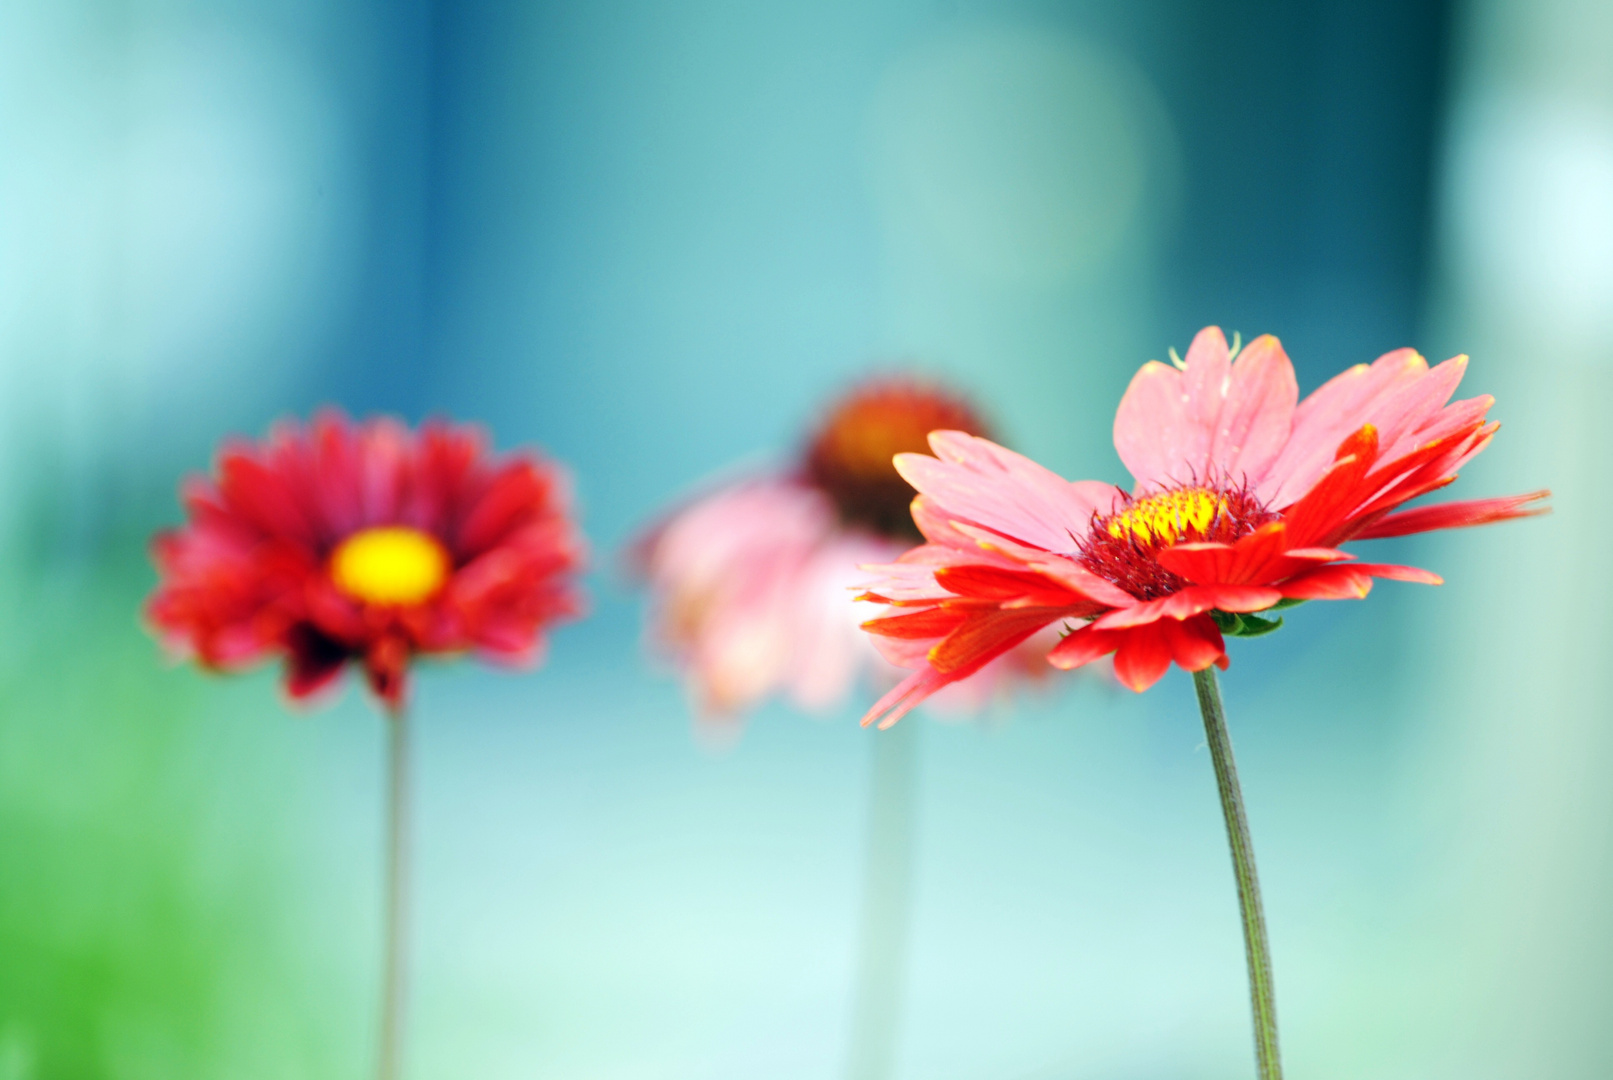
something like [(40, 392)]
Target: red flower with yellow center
[(1243, 497), (369, 542)]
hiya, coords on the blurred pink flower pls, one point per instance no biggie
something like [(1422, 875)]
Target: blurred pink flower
[(753, 584)]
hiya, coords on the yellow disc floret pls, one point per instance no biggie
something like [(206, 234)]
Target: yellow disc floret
[(1168, 517), (390, 564)]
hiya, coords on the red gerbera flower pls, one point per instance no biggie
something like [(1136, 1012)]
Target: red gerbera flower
[(371, 542), (1243, 495)]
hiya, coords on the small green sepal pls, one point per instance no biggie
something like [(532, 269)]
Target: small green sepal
[(1235, 625)]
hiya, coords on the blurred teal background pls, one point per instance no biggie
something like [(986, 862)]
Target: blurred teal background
[(650, 238)]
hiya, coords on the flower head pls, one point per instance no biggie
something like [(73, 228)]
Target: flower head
[(750, 582), (849, 457), (1243, 497), (338, 541)]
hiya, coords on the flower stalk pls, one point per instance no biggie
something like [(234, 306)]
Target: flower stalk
[(887, 906), (394, 972), (1257, 952)]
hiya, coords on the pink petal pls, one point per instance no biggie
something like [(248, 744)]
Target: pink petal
[(1213, 419), (1391, 572), (1341, 405), (1256, 412), (1402, 414), (974, 480), (904, 696), (935, 525), (1155, 433)]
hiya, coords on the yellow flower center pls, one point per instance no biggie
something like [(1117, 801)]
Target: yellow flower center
[(389, 564), (1167, 517)]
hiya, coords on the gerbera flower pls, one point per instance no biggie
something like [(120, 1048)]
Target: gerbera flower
[(750, 582), (367, 542), (372, 543), (1243, 496)]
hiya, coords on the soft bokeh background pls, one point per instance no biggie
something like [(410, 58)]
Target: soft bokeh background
[(650, 237)]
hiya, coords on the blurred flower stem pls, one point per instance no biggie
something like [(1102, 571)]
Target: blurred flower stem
[(394, 973), (887, 905), (1257, 952)]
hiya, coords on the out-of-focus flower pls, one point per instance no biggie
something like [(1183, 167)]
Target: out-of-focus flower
[(371, 542), (1243, 495), (752, 583)]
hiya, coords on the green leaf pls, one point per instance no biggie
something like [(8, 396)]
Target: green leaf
[(1255, 626), (1285, 602)]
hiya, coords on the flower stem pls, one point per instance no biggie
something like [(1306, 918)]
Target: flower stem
[(1262, 995), (887, 904), (395, 916)]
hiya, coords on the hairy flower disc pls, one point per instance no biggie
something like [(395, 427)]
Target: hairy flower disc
[(1168, 516), (390, 564), (850, 456), (1124, 546)]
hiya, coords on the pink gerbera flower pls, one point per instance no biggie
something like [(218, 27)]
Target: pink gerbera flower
[(750, 582), (1243, 496)]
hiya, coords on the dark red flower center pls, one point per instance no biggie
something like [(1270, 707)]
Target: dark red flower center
[(850, 456), (1124, 546)]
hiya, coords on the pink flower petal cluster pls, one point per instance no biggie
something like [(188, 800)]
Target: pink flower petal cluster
[(749, 588), (750, 583), (1243, 496)]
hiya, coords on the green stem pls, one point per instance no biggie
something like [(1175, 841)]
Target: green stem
[(396, 910), (1262, 996), (887, 904)]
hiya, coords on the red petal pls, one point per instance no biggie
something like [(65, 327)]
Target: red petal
[(1201, 563), (386, 664), (1143, 657), (1256, 558), (1410, 462), (1084, 646), (1195, 643), (993, 583), (982, 639), (1352, 581), (933, 622), (1339, 492), (1456, 515), (1329, 583), (1254, 555), (1190, 602)]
